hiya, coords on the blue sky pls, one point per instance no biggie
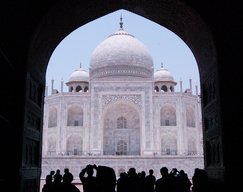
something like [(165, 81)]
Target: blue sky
[(164, 46)]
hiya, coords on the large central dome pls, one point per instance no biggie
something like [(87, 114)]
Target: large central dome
[(121, 55)]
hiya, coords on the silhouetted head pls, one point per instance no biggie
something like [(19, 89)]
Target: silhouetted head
[(132, 171), (48, 179), (66, 170), (151, 171), (89, 170), (123, 175), (174, 172), (182, 172), (67, 178), (196, 171), (164, 171), (52, 172), (143, 173)]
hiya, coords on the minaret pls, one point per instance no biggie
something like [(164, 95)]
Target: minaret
[(46, 91), (181, 90), (52, 86), (196, 87), (190, 82), (62, 86)]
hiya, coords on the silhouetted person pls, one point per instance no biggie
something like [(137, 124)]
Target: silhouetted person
[(66, 185), (48, 186), (200, 180), (150, 181), (106, 179), (50, 176), (185, 182), (133, 180), (142, 181), (57, 177), (67, 174), (57, 181), (164, 183), (90, 182), (175, 180), (122, 183)]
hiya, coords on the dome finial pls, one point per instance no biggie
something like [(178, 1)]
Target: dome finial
[(121, 23), (80, 64), (162, 65)]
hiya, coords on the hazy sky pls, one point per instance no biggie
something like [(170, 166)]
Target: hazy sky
[(164, 46)]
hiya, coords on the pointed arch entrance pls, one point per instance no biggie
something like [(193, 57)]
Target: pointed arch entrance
[(121, 130)]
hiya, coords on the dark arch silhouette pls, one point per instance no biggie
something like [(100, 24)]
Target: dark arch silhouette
[(30, 31)]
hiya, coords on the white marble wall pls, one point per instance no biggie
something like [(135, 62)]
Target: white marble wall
[(140, 96)]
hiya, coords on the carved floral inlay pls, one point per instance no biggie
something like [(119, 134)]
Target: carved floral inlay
[(107, 99)]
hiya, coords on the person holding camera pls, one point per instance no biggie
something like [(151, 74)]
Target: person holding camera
[(87, 178)]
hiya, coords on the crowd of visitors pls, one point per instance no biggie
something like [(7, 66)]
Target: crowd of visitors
[(103, 179)]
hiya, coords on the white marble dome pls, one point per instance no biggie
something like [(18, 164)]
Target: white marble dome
[(79, 75), (164, 75), (121, 54)]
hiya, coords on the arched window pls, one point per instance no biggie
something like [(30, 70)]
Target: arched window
[(74, 145), (70, 89), (208, 153), (171, 88), (51, 146), (167, 116), (121, 148), (168, 145), (78, 88), (156, 89), (190, 117), (121, 123), (75, 116), (86, 89), (192, 147), (164, 88), (52, 118)]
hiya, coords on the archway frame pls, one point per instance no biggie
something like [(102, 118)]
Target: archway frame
[(174, 15)]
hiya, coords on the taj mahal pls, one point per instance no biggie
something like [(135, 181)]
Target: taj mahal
[(122, 113)]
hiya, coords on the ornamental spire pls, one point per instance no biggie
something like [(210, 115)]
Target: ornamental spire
[(121, 23)]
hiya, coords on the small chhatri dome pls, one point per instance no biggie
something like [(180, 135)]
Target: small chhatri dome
[(121, 55), (164, 75), (79, 75)]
